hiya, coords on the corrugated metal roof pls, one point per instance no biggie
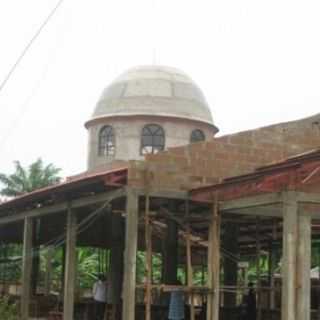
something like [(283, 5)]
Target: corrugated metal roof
[(113, 178)]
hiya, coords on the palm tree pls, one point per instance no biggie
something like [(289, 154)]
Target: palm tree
[(24, 180)]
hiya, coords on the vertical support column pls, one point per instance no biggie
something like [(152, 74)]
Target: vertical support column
[(26, 268), (148, 239), (129, 287), (213, 304), (70, 266), (304, 266), (289, 256)]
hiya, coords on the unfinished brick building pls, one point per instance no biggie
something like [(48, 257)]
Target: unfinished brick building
[(208, 206)]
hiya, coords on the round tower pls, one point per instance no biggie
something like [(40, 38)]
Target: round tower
[(146, 110)]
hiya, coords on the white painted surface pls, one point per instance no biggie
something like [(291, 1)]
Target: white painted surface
[(148, 95)]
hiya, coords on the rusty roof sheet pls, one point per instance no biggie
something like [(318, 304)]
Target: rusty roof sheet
[(111, 178)]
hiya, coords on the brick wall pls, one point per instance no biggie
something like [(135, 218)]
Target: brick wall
[(210, 162)]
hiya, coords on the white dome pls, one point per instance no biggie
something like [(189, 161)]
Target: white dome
[(153, 91)]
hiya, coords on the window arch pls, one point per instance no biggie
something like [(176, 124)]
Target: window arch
[(197, 136), (152, 139), (106, 141)]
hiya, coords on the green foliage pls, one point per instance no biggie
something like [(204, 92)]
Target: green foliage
[(8, 309), (24, 180), (156, 267), (88, 267)]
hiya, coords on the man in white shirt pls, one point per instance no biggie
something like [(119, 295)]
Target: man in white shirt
[(99, 293)]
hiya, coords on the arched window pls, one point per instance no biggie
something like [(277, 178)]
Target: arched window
[(106, 141), (197, 136), (152, 139)]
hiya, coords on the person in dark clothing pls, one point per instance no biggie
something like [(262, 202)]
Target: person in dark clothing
[(251, 304)]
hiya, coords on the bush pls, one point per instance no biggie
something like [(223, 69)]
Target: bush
[(8, 309)]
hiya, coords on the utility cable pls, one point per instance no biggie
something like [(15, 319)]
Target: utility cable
[(29, 44)]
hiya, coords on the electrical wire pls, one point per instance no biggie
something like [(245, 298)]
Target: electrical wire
[(29, 44)]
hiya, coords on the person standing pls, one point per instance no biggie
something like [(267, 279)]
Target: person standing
[(99, 293), (176, 306)]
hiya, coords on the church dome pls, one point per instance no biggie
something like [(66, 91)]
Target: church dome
[(153, 91)]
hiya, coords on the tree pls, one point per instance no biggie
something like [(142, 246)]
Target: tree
[(24, 180)]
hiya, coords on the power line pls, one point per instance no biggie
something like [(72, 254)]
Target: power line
[(29, 44)]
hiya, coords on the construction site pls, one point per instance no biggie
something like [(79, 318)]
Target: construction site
[(218, 213)]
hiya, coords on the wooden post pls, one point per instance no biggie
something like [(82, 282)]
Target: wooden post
[(213, 303), (129, 285), (70, 267), (26, 268), (148, 239), (289, 256), (304, 266)]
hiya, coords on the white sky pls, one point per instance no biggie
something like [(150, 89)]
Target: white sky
[(257, 62)]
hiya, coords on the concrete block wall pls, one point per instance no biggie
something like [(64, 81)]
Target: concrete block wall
[(227, 156)]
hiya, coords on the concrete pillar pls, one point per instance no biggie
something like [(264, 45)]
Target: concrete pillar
[(130, 256), (26, 268), (289, 256), (70, 266), (304, 266), (170, 263)]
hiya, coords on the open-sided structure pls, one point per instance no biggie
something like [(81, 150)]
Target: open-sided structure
[(214, 214)]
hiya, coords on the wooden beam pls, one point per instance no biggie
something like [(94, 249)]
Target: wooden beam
[(70, 268), (78, 203), (213, 304), (26, 268), (304, 266), (289, 259), (251, 202), (129, 286)]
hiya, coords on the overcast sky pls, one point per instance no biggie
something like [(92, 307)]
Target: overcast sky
[(257, 62)]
